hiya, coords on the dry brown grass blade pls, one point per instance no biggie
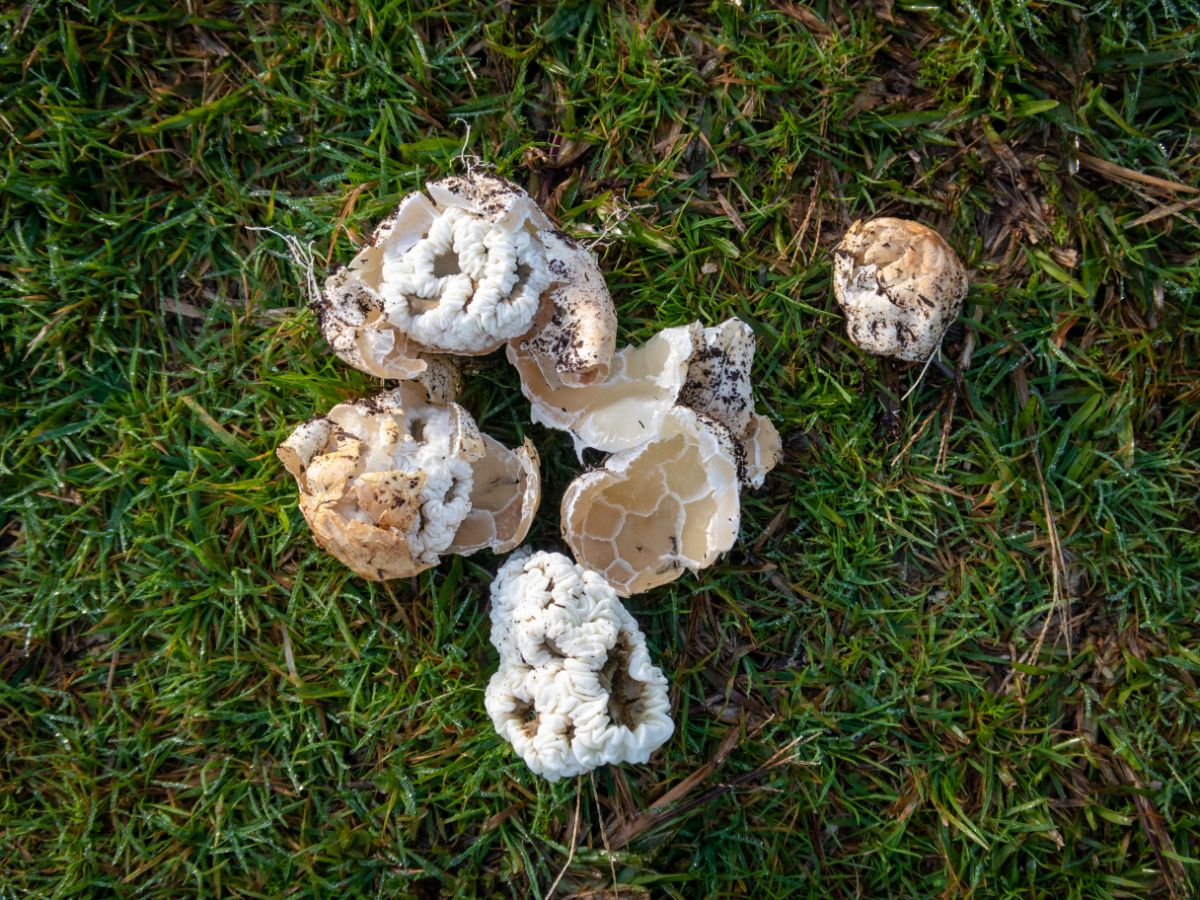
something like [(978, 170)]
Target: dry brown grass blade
[(495, 821), (1060, 601), (1157, 834), (1161, 212), (1058, 572), (612, 866), (629, 830), (339, 224), (1112, 170), (805, 17), (657, 815), (180, 308), (574, 837), (915, 436), (731, 213)]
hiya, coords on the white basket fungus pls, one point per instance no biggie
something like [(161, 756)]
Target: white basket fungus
[(463, 270), (655, 510), (390, 483), (575, 688), (900, 286)]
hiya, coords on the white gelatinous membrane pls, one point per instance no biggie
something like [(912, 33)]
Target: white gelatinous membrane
[(506, 490), (388, 483), (657, 509), (704, 369), (463, 269), (763, 448), (575, 688), (626, 408), (900, 286)]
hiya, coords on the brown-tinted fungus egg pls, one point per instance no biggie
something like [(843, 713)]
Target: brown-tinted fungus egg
[(900, 286)]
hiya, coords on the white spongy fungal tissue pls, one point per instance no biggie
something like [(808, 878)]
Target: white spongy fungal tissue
[(575, 689), (467, 284), (425, 441), (390, 483), (385, 483)]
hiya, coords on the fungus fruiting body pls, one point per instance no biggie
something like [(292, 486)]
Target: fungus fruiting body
[(464, 268), (575, 688), (390, 483), (900, 286), (677, 413), (626, 408), (653, 511)]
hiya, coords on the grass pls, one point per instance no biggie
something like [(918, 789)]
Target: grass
[(956, 650)]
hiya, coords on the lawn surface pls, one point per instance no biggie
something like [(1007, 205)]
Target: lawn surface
[(956, 649)]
